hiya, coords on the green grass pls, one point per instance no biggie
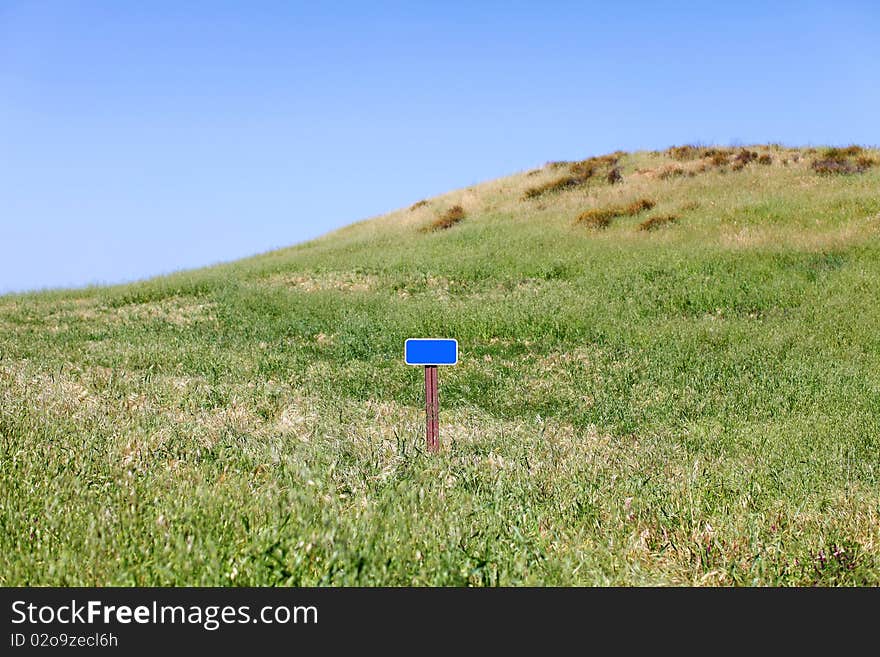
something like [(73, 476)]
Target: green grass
[(698, 404)]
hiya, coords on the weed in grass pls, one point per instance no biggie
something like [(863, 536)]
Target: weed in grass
[(658, 221)]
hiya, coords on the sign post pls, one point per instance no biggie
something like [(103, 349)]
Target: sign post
[(431, 352), (432, 408)]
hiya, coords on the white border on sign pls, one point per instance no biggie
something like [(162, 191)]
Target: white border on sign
[(406, 362)]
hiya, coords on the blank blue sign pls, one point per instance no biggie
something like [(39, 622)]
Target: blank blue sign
[(430, 351)]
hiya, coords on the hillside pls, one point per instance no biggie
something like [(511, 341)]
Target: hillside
[(669, 374)]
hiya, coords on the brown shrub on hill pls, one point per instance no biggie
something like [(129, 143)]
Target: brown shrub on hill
[(592, 165), (658, 221), (585, 169), (601, 217), (596, 218), (712, 152), (670, 172), (565, 182), (579, 173), (614, 176), (684, 153), (745, 156), (826, 167), (448, 219), (418, 204), (837, 160), (842, 153), (719, 158), (765, 159), (640, 205)]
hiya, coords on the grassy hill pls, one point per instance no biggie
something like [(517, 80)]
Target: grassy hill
[(669, 374)]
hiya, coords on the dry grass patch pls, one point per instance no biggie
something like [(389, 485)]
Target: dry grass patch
[(839, 237), (325, 281), (56, 392), (179, 311)]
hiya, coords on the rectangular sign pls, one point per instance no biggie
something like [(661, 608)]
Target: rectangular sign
[(430, 351)]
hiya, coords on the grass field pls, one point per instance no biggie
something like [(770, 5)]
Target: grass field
[(681, 388)]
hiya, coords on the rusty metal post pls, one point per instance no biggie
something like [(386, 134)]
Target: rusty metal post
[(432, 408)]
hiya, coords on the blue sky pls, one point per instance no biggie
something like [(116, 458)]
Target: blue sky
[(142, 138)]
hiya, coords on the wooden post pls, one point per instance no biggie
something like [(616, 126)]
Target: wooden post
[(432, 409)]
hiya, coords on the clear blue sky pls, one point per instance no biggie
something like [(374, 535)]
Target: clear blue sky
[(142, 138)]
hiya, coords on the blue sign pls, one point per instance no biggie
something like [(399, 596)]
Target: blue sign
[(430, 351)]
